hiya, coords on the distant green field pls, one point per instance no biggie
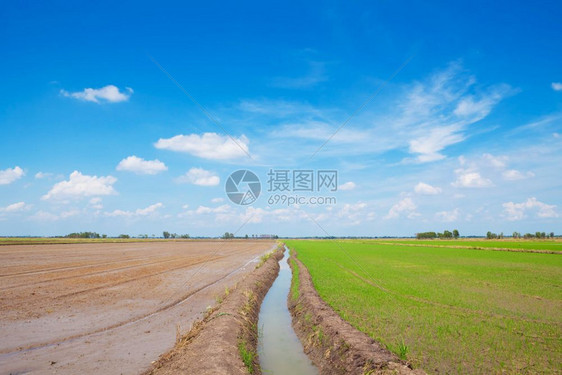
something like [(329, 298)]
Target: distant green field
[(552, 245), (456, 310)]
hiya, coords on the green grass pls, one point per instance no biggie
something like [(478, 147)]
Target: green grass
[(248, 356), (295, 283), (448, 310), (550, 245)]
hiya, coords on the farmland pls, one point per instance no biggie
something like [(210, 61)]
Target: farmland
[(110, 307), (538, 245), (447, 309)]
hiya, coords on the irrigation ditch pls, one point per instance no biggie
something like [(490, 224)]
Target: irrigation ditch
[(333, 344), (276, 312)]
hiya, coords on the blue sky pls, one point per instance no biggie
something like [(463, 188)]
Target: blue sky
[(96, 137)]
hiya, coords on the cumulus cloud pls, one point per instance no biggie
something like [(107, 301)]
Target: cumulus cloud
[(517, 211), (448, 216), (9, 175), (40, 175), (468, 178), (109, 94), (426, 189), (44, 216), (347, 186), (15, 207), (141, 166), (405, 207), (217, 200), (513, 175), (152, 209), (199, 176), (79, 186), (556, 86), (495, 161), (207, 146)]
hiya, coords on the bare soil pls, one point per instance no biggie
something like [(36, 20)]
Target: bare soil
[(212, 346), (333, 344), (109, 307)]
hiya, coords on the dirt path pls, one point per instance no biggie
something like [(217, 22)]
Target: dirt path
[(110, 308)]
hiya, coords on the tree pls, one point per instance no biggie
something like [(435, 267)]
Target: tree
[(491, 235), (184, 236), (166, 234), (447, 234), (551, 234), (516, 235), (124, 236), (227, 235), (426, 235), (456, 233)]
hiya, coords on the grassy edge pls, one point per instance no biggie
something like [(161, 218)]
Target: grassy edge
[(295, 281)]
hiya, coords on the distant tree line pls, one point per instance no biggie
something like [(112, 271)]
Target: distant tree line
[(432, 235), (167, 234), (538, 235), (86, 235)]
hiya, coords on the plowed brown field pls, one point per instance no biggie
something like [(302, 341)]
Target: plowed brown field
[(112, 307)]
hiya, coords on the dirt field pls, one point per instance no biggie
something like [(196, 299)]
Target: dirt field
[(111, 308)]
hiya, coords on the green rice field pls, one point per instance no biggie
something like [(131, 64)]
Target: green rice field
[(447, 309)]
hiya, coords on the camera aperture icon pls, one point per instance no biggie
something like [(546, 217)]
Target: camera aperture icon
[(243, 187)]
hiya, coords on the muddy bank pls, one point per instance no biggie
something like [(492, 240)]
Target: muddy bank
[(333, 344), (228, 333)]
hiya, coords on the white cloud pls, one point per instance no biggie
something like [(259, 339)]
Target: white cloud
[(141, 166), (352, 213), (217, 200), (199, 176), (448, 216), (468, 178), (109, 93), (208, 146), (69, 213), (347, 186), (49, 217), (15, 207), (43, 216), (40, 175), (96, 203), (438, 138), (79, 186), (495, 161), (426, 189), (152, 209), (556, 86), (513, 175), (406, 206), (517, 211), (437, 113), (9, 175)]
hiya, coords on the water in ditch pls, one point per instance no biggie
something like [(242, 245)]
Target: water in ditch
[(280, 351)]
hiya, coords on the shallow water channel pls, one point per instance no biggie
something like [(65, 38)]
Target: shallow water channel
[(280, 351)]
